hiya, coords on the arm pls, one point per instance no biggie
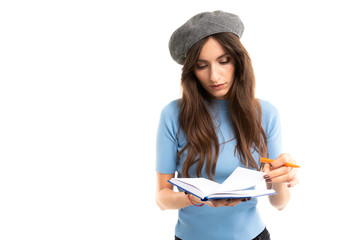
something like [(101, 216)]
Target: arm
[(167, 144), (280, 178), (166, 198)]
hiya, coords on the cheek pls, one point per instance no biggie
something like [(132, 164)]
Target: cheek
[(201, 77), (228, 72)]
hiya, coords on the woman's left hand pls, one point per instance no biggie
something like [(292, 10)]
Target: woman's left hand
[(276, 172)]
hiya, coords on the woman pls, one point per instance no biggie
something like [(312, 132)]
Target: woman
[(215, 127)]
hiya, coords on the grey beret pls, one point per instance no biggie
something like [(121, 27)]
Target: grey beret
[(200, 26)]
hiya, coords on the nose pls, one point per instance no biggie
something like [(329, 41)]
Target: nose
[(214, 74)]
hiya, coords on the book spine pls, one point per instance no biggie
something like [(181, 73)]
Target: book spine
[(185, 190)]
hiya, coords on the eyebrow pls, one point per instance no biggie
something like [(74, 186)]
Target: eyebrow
[(223, 55)]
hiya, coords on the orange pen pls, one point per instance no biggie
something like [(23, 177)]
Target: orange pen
[(267, 160)]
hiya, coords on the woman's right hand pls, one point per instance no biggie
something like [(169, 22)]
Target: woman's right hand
[(219, 202)]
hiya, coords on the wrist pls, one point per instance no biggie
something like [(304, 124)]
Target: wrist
[(194, 200), (279, 184)]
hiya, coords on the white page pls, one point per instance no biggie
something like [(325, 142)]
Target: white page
[(241, 178), (243, 194), (203, 185)]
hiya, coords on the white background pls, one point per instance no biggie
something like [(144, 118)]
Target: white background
[(82, 84)]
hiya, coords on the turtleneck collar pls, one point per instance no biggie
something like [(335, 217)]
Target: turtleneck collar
[(220, 104)]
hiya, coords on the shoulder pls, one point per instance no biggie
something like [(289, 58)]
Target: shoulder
[(171, 109), (268, 110), (169, 121), (170, 115)]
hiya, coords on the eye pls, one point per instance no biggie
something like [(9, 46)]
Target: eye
[(201, 66), (224, 60)]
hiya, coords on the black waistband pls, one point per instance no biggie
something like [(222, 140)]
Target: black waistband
[(264, 235)]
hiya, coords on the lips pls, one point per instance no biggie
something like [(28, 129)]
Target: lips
[(218, 86)]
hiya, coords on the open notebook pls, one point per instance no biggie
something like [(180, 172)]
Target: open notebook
[(235, 186)]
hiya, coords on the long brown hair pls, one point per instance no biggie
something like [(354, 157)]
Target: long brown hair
[(197, 123)]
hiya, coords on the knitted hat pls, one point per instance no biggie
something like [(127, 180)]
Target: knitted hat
[(200, 26)]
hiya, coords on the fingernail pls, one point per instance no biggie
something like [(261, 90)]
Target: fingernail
[(266, 176), (268, 180)]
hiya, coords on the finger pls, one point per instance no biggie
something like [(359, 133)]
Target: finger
[(287, 177), (231, 202), (210, 203), (266, 168), (276, 173), (293, 183), (240, 200), (281, 160), (234, 203), (219, 202)]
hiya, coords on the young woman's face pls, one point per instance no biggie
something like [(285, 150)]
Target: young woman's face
[(215, 69)]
